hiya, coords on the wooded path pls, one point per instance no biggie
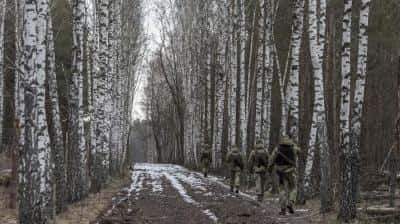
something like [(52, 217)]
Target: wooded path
[(172, 194)]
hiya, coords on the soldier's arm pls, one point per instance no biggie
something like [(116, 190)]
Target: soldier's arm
[(297, 150), (272, 158), (241, 162), (228, 157), (251, 161)]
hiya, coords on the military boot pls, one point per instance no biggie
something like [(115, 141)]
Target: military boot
[(283, 211), (290, 207), (260, 197)]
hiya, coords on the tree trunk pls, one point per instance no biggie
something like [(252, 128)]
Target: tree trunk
[(101, 159), (253, 77), (394, 157), (347, 210), (55, 129), (35, 202), (358, 100)]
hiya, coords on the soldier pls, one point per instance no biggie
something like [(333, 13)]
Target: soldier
[(235, 162), (258, 163), (205, 158), (283, 158)]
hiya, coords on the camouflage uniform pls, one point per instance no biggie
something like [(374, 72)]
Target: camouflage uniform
[(258, 163), (283, 158), (205, 159), (235, 162)]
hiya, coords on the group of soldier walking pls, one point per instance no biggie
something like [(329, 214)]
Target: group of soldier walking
[(281, 162)]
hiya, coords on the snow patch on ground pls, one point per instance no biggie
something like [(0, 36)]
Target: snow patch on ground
[(156, 181), (185, 196), (210, 215), (195, 182), (181, 190), (302, 210), (179, 172), (220, 182), (137, 182), (208, 194)]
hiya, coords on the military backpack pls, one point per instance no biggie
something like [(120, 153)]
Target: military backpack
[(261, 158), (236, 159), (286, 156)]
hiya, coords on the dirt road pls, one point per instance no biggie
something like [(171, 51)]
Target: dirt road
[(174, 195)]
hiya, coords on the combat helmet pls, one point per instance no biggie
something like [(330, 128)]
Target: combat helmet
[(259, 144), (206, 145), (234, 148), (285, 140)]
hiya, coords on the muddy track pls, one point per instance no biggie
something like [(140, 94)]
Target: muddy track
[(174, 195)]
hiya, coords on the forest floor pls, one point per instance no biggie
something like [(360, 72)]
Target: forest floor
[(171, 194), (82, 212)]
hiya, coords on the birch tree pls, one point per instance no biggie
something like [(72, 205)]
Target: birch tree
[(269, 14), (56, 137), (101, 159), (347, 205), (77, 179), (317, 32), (3, 7), (42, 132), (35, 165), (252, 100), (359, 94), (351, 134), (292, 90)]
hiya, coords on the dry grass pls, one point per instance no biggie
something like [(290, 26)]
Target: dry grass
[(8, 216), (89, 209), (82, 212)]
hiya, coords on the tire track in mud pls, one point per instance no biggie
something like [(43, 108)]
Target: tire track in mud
[(172, 194)]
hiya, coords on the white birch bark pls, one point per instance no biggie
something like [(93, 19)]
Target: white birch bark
[(77, 177), (259, 82), (35, 165), (243, 94), (292, 91), (57, 136), (359, 93), (351, 173), (232, 73), (94, 72), (269, 68), (347, 206), (28, 188), (112, 76), (102, 146), (346, 77), (317, 70), (318, 134), (3, 7), (42, 132)]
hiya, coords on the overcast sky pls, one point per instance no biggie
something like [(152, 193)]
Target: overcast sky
[(152, 30)]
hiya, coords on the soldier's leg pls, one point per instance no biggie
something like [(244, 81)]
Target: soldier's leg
[(274, 181), (263, 183), (206, 170), (258, 186), (237, 181), (232, 180), (292, 191), (282, 192)]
